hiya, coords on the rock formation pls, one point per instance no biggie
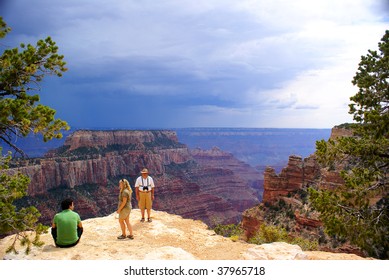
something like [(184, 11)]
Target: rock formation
[(168, 237), (294, 176), (285, 193), (90, 163)]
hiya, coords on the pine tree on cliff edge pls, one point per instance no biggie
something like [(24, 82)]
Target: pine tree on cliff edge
[(359, 210), (21, 71)]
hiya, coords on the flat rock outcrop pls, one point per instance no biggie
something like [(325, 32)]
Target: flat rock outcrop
[(105, 138)]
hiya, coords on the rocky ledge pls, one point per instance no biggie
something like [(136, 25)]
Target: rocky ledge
[(168, 237)]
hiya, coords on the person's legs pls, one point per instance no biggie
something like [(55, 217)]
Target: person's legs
[(70, 245), (122, 226), (80, 230), (129, 227), (142, 205), (142, 212), (148, 206), (54, 234), (148, 214), (124, 216)]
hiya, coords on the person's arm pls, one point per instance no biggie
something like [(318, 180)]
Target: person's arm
[(79, 224), (152, 188), (137, 189), (53, 225)]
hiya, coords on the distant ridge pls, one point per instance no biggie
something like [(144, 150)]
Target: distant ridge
[(259, 147), (256, 146)]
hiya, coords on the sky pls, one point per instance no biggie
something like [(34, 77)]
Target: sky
[(203, 63)]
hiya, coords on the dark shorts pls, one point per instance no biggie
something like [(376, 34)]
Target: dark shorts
[(54, 234)]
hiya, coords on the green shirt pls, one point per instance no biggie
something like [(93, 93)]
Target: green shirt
[(66, 223)]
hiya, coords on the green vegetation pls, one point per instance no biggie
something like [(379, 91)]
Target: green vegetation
[(91, 152), (272, 233), (346, 125), (21, 72), (13, 220), (280, 222), (267, 234), (231, 230), (359, 210), (279, 211)]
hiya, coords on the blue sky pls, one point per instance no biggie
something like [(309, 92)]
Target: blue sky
[(203, 63)]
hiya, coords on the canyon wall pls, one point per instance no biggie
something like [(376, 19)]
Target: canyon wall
[(285, 190), (215, 157), (90, 163)]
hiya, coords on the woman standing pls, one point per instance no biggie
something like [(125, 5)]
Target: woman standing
[(124, 208)]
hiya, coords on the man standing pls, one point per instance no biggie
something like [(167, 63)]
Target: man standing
[(144, 190), (67, 227)]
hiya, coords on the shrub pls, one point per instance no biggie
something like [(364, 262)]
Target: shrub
[(230, 230), (272, 233), (269, 234)]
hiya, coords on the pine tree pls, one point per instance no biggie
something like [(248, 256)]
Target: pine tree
[(21, 72), (359, 210)]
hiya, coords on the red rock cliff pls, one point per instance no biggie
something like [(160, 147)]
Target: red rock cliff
[(294, 176)]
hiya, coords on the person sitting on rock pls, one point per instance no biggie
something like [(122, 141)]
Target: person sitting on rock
[(67, 227), (144, 189)]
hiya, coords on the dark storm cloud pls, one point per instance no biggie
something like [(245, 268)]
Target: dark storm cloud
[(187, 63)]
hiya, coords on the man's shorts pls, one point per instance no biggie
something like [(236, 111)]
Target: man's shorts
[(145, 201)]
